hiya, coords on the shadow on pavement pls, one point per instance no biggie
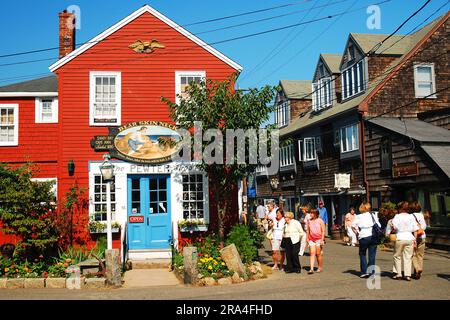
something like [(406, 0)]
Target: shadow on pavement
[(383, 274), (444, 276)]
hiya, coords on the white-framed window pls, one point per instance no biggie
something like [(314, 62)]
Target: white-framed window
[(283, 114), (307, 149), (287, 157), (9, 124), (349, 138), (105, 98), (99, 199), (424, 80), (353, 80), (322, 94), (46, 110), (182, 81), (195, 196)]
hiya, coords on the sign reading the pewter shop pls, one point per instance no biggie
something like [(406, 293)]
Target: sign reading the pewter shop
[(147, 142)]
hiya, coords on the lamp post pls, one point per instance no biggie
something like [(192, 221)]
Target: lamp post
[(107, 171)]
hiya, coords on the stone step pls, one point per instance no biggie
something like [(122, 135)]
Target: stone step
[(150, 264)]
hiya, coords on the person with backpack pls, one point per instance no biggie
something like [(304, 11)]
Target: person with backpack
[(406, 227), (363, 226)]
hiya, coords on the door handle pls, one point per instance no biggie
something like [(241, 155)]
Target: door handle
[(148, 220)]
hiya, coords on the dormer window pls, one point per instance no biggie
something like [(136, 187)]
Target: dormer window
[(282, 113), (353, 80), (351, 52), (322, 94)]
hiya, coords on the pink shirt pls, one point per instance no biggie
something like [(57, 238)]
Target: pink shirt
[(349, 219), (315, 230)]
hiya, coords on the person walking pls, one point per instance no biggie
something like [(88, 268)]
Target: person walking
[(303, 221), (292, 232), (323, 215), (349, 217), (315, 236), (406, 228), (362, 227), (277, 236), (419, 252)]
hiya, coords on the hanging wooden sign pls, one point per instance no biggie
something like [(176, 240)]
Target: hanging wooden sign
[(405, 169)]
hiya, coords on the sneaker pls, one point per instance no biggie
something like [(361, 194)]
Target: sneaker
[(365, 275), (408, 278), (348, 244), (353, 245), (275, 267), (310, 272)]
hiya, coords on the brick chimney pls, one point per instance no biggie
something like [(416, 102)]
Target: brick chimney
[(66, 33)]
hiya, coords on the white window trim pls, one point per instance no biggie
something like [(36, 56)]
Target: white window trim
[(38, 110), (305, 154), (205, 192), (318, 89), (351, 149), (348, 73), (433, 80), (179, 74), (283, 114), (287, 157), (92, 201), (15, 106), (118, 75)]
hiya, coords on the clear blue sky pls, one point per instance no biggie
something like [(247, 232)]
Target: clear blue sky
[(29, 25)]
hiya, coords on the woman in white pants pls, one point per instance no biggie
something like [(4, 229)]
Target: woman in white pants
[(406, 228), (349, 217)]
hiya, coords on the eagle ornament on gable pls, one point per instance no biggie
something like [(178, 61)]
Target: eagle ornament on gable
[(146, 46)]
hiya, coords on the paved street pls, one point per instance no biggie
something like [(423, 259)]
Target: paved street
[(338, 281)]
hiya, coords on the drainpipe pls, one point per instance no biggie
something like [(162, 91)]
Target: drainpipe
[(363, 154)]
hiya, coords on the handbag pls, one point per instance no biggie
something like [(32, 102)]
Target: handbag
[(283, 243), (269, 235), (420, 232), (377, 232)]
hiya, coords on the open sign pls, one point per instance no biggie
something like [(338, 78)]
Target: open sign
[(136, 219)]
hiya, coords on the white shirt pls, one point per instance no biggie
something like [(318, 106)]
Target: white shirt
[(405, 225), (273, 214), (423, 224), (294, 230), (277, 229), (261, 211), (364, 223)]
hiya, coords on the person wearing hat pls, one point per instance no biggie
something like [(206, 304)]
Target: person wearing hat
[(323, 214)]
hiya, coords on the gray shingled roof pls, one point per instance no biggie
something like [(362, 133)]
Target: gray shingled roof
[(407, 44), (419, 130), (45, 84), (368, 41), (333, 61), (296, 89), (440, 155)]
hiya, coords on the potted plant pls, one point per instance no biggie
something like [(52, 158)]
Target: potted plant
[(387, 211), (187, 225), (100, 227), (336, 232)]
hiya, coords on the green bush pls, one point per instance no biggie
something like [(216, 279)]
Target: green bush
[(246, 242)]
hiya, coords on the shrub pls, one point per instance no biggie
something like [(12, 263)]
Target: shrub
[(247, 243)]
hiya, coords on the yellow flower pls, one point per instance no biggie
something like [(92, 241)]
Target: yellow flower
[(215, 262), (210, 267), (6, 269), (206, 256), (223, 263)]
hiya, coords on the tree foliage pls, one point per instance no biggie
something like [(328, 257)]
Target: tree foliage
[(26, 210)]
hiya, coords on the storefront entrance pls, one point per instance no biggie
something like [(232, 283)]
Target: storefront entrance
[(149, 215)]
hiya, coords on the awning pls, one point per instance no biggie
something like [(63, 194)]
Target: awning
[(356, 192), (440, 155)]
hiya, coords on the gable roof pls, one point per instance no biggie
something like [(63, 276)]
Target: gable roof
[(296, 89), (439, 154), (332, 61), (368, 41), (46, 86), (132, 17)]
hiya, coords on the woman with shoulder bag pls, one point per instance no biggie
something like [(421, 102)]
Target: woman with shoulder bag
[(419, 252), (406, 227), (362, 225), (292, 233)]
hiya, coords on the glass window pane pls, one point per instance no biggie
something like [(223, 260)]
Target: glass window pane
[(162, 195), (153, 196), (162, 183), (153, 184)]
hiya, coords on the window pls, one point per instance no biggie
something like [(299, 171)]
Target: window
[(100, 199), (282, 114), (9, 124), (183, 79), (424, 80), (105, 98), (194, 196), (349, 138), (308, 148), (353, 80), (322, 96), (287, 155), (46, 110), (386, 155)]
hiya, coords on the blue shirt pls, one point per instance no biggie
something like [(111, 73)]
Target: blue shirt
[(323, 214)]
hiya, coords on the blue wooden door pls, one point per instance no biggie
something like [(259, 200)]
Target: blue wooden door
[(149, 216)]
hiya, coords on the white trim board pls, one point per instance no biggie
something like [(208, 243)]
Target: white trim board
[(28, 94), (132, 17)]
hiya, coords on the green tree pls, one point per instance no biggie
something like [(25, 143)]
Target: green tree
[(26, 210), (218, 106)]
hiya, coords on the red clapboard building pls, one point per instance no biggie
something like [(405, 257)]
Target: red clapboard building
[(105, 97)]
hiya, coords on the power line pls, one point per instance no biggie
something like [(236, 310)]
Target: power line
[(168, 28)]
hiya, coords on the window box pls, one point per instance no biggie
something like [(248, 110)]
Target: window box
[(200, 227), (113, 230)]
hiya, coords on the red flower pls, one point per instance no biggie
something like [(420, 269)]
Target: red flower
[(200, 254)]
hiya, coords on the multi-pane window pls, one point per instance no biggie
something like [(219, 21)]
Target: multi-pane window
[(184, 79), (100, 203), (158, 195), (287, 155), (386, 155), (424, 81), (282, 114), (194, 200), (46, 110), (349, 138), (105, 98), (9, 124), (310, 149), (322, 96), (353, 80)]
